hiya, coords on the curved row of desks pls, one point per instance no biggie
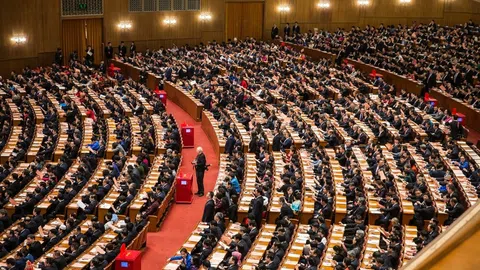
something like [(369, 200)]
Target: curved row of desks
[(402, 82)]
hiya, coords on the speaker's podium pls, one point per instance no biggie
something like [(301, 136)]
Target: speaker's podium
[(162, 95), (129, 260), (188, 135), (183, 188)]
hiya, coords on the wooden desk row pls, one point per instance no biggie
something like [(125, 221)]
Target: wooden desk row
[(29, 188), (37, 111), (337, 177), (45, 203), (275, 205), (36, 143), (308, 183), (111, 137), (218, 254), (185, 100), (100, 103), (424, 115), (470, 153), (295, 251), (409, 234), (52, 224), (432, 184), (15, 113), (61, 141), (19, 89), (126, 109), (248, 186), (373, 201), (242, 132), (141, 100), (189, 245), (402, 82), (465, 187), (72, 207), (150, 181), (371, 137), (224, 162), (11, 144), (78, 104), (112, 196), (135, 135), (86, 257), (372, 245), (159, 134), (154, 220), (59, 111), (63, 244), (259, 247), (316, 131), (472, 115), (336, 239), (418, 130), (128, 70), (344, 137), (87, 137), (211, 127)]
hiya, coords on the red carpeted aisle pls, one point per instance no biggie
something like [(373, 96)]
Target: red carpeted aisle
[(182, 218)]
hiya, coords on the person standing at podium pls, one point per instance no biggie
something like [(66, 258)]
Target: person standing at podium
[(200, 164)]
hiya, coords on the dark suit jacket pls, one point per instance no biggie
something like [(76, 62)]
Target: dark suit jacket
[(35, 249), (456, 129), (229, 145), (257, 209), (208, 211), (201, 162), (122, 50), (286, 211), (60, 262), (277, 142), (274, 32), (430, 80)]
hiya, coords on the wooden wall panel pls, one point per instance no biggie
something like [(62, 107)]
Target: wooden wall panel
[(344, 11), (149, 31), (39, 21), (252, 20), (244, 19), (233, 20)]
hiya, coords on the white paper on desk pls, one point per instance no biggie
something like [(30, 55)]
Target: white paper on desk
[(194, 238), (188, 245), (81, 205)]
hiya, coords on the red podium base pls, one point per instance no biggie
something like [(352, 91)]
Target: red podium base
[(188, 135), (129, 260), (183, 188)]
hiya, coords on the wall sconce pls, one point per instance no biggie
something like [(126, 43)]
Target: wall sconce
[(405, 1), (284, 9), (323, 5), (19, 39), (363, 3), (170, 21), (124, 25), (205, 17)]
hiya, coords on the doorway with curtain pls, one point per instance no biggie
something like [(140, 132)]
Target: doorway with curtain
[(78, 34)]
